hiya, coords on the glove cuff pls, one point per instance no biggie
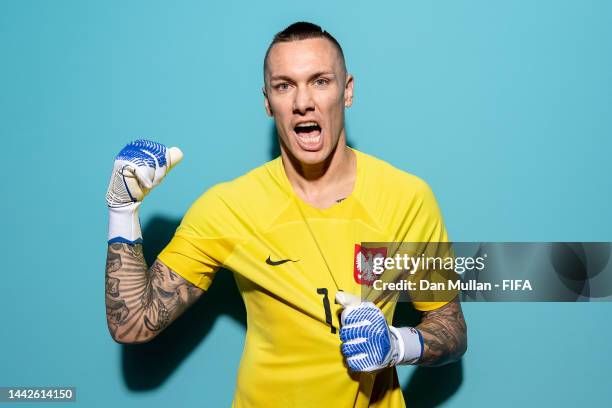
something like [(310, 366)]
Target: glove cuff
[(124, 225), (409, 344)]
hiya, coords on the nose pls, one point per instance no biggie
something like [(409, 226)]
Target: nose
[(303, 102)]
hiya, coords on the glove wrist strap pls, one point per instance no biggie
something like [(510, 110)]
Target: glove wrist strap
[(124, 225), (409, 344)]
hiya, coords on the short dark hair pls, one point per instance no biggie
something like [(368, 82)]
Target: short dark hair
[(303, 31)]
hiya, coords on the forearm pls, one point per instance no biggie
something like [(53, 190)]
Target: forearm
[(124, 264), (141, 302), (444, 334)]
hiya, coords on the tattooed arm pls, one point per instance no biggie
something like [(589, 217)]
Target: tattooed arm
[(444, 335), (141, 302)]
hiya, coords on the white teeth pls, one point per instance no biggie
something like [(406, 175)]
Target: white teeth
[(307, 124), (310, 139)]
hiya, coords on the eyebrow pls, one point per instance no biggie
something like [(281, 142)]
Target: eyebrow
[(289, 79)]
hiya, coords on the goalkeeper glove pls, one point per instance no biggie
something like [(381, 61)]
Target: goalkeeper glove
[(369, 343), (139, 166)]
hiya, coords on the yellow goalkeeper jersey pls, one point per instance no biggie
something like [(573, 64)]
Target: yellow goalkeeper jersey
[(281, 251)]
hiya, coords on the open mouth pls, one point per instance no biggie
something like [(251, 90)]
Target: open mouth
[(309, 134), (307, 128)]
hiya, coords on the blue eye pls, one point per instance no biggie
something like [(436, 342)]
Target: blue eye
[(283, 86), (321, 82)]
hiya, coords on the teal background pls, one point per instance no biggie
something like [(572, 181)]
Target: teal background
[(505, 108)]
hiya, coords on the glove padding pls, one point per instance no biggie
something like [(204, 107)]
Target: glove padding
[(369, 343), (139, 166)]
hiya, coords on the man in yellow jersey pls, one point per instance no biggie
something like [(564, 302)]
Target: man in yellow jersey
[(290, 231)]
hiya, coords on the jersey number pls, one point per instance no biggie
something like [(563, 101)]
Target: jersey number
[(327, 308)]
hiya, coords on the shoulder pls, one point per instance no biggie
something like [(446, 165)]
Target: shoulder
[(403, 202), (242, 201), (254, 188), (384, 178)]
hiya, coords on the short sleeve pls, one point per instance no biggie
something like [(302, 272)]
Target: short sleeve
[(428, 227), (202, 242)]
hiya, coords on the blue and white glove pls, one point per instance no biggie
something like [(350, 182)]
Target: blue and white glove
[(139, 166), (369, 343)]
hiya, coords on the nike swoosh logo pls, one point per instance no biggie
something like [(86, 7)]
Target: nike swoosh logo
[(280, 262)]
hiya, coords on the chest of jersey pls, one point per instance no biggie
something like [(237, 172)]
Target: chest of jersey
[(292, 270)]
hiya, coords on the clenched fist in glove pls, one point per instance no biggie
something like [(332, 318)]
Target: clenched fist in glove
[(139, 166), (369, 343)]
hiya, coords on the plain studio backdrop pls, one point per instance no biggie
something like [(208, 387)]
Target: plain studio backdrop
[(504, 108)]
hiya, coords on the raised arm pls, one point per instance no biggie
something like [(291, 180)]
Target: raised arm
[(140, 301)]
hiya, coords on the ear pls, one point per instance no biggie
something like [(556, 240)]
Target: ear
[(348, 90), (266, 102)]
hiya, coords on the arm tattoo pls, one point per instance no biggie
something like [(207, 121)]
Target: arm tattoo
[(141, 302), (444, 335)]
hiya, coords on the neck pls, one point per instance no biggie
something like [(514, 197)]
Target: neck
[(322, 184)]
